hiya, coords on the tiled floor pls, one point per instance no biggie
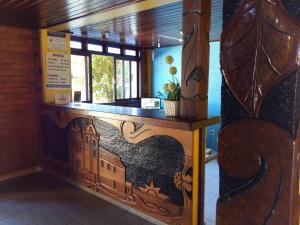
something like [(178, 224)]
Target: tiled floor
[(40, 199), (211, 191)]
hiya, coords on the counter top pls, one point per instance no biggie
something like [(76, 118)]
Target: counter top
[(151, 117)]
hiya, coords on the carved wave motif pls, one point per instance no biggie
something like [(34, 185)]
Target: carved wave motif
[(132, 133), (260, 48), (196, 74), (248, 153), (240, 190)]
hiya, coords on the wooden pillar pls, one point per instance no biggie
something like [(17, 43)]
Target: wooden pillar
[(194, 89), (145, 74), (195, 59), (259, 143)]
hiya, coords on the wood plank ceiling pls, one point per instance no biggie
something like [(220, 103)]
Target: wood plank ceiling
[(143, 28)]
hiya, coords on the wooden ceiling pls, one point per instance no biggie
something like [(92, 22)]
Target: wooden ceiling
[(142, 23)]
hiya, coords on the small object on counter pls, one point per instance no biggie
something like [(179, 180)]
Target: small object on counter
[(62, 99), (172, 108), (172, 91), (77, 96), (150, 103)]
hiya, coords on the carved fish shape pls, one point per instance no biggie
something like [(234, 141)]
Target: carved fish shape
[(259, 49)]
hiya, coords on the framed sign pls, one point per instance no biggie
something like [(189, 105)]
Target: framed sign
[(58, 70)]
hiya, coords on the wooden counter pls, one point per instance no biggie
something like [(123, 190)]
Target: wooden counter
[(138, 157), (150, 117)]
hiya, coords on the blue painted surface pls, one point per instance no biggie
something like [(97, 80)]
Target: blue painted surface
[(160, 69), (160, 75)]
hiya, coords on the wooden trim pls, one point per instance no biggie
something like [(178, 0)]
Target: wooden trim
[(195, 204), (148, 119), (20, 173), (111, 14)]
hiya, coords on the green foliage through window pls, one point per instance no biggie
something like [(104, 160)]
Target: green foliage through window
[(103, 76)]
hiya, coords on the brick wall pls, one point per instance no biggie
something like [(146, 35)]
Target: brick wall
[(19, 98)]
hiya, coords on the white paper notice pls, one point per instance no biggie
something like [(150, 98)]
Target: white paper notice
[(56, 41), (58, 70)]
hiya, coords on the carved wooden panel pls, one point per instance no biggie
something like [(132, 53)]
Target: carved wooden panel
[(249, 153), (147, 167), (260, 48), (195, 59), (259, 140)]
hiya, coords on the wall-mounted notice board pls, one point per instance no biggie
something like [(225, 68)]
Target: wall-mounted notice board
[(56, 64)]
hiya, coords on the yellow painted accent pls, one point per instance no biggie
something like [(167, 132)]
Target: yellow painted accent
[(49, 94), (111, 14), (195, 204), (149, 72)]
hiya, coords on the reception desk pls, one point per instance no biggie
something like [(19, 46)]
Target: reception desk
[(137, 157)]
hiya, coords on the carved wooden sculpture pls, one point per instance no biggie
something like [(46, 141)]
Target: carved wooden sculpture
[(259, 142), (195, 58), (260, 48), (95, 162)]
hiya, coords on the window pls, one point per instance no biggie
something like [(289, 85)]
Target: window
[(103, 78), (130, 52), (126, 79), (76, 44), (113, 50), (102, 74), (79, 75), (95, 48)]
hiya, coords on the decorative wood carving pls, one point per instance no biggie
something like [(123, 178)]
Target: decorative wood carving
[(184, 181), (102, 171), (132, 133), (195, 60), (261, 162), (260, 48)]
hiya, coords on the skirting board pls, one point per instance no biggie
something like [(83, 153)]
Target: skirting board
[(105, 198), (20, 173)]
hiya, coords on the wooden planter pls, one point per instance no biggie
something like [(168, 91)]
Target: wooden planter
[(172, 108)]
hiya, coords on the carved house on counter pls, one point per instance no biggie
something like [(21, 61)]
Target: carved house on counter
[(91, 153)]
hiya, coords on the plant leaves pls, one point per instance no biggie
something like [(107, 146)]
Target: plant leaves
[(259, 49)]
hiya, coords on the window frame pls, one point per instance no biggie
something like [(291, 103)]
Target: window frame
[(88, 53), (123, 78)]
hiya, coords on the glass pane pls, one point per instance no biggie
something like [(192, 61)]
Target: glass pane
[(78, 70), (103, 75), (127, 79), (134, 79), (75, 44), (96, 48), (130, 52), (119, 77), (114, 50)]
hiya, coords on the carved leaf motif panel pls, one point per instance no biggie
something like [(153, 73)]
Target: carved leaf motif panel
[(260, 48)]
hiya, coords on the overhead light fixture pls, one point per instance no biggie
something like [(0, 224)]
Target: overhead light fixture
[(180, 39), (181, 32)]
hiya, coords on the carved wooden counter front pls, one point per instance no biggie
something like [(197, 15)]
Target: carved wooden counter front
[(137, 157)]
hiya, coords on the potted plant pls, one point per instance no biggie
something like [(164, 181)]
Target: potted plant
[(172, 91)]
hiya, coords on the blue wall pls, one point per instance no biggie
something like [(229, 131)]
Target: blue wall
[(160, 69), (160, 75)]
